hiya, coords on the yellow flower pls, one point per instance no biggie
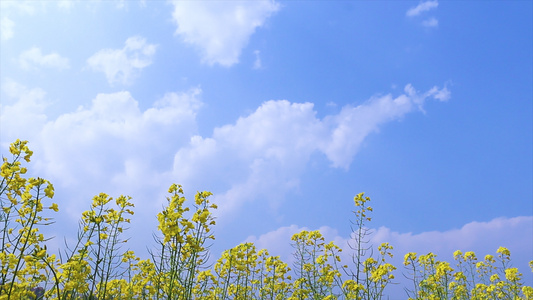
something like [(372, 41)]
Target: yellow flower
[(489, 258), (470, 255), (504, 251), (54, 207), (49, 191), (41, 253), (411, 256), (528, 292), (512, 274)]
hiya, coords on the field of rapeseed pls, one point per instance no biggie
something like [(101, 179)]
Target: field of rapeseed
[(96, 268)]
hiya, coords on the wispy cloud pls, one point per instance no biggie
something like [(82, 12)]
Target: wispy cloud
[(10, 10), (123, 65), (220, 29), (6, 28), (65, 4), (422, 7), (257, 62), (23, 6), (431, 22), (33, 57)]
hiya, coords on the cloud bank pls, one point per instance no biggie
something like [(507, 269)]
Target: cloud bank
[(259, 157), (474, 236), (481, 237)]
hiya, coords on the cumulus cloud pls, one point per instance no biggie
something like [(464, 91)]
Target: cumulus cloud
[(6, 28), (34, 57), (220, 29), (123, 65), (264, 154), (269, 147), (112, 145), (422, 7), (106, 138), (260, 157)]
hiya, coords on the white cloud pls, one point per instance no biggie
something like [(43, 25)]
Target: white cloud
[(431, 22), (6, 28), (123, 65), (121, 4), (113, 146), (422, 7), (269, 147), (278, 242), (220, 29), (108, 146), (105, 139), (263, 155), (10, 10), (33, 56), (25, 7), (442, 94), (65, 4), (481, 237), (348, 129), (25, 116), (257, 62)]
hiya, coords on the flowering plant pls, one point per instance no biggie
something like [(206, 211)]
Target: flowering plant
[(96, 267)]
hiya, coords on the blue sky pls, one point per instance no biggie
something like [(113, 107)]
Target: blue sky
[(284, 110)]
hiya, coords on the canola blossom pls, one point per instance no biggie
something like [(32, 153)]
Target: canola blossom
[(96, 267)]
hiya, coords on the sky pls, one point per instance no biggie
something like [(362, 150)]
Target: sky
[(284, 110)]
